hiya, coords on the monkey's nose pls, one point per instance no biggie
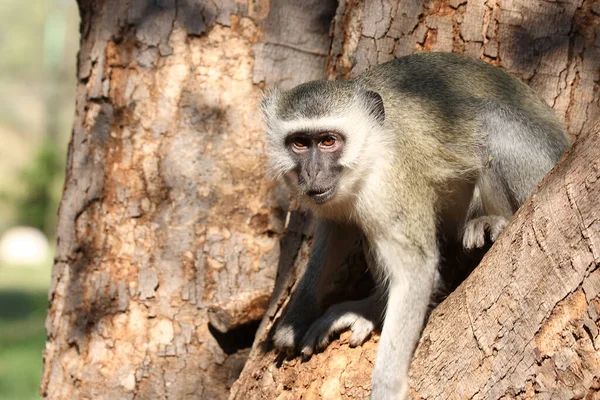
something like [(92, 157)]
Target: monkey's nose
[(310, 175)]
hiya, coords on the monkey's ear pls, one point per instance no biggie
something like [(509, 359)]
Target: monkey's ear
[(375, 105)]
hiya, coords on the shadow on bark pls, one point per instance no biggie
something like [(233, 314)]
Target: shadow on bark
[(527, 51), (570, 30)]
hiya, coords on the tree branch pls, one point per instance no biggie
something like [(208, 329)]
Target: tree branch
[(524, 324)]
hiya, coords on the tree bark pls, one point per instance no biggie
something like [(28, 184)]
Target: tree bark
[(522, 326), (554, 47), (166, 213), (525, 324)]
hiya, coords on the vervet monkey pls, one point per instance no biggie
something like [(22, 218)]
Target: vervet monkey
[(423, 148)]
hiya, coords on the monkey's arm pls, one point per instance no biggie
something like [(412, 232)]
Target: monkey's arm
[(411, 270), (332, 243)]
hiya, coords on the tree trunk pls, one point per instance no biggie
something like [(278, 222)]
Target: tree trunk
[(554, 47), (166, 221), (525, 324), (522, 326)]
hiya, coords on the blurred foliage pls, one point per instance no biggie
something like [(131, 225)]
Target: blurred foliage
[(37, 80), (22, 339), (38, 43), (37, 204), (22, 26), (23, 305)]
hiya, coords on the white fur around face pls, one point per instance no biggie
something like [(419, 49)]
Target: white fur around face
[(365, 142)]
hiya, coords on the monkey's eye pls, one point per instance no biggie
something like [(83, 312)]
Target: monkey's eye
[(328, 141), (300, 144)]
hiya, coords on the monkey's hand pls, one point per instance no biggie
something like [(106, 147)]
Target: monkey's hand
[(361, 317), (475, 230)]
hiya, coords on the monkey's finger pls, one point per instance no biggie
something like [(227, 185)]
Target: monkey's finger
[(469, 237), (321, 332), (361, 330), (341, 323), (318, 336), (309, 342), (497, 228)]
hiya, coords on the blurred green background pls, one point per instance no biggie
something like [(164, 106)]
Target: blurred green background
[(38, 43)]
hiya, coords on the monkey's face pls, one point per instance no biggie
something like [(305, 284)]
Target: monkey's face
[(322, 138), (316, 156)]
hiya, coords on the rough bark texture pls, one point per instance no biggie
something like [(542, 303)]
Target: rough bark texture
[(522, 326), (525, 324), (554, 46), (166, 212)]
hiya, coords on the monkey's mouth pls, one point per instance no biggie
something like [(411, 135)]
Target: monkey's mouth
[(320, 196)]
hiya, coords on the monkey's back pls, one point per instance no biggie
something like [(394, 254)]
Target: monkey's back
[(444, 95), (453, 85), (450, 79)]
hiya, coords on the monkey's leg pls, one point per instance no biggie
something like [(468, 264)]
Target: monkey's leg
[(521, 149), (515, 165), (332, 243), (412, 276), (361, 317)]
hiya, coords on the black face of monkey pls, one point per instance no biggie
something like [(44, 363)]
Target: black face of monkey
[(317, 155)]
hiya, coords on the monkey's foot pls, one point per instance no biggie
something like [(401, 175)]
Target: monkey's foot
[(360, 317), (475, 230)]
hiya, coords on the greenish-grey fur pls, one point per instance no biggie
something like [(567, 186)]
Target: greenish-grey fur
[(452, 89), (315, 99), (457, 148), (432, 103)]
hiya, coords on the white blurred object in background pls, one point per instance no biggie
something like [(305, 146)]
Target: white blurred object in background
[(23, 246)]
